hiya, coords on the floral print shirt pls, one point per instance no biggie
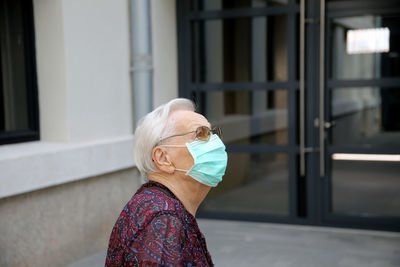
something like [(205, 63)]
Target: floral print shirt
[(155, 229)]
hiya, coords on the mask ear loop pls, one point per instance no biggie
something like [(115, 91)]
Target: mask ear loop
[(181, 170), (176, 169)]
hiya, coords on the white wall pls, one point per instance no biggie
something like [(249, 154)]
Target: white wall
[(85, 101), (50, 61), (83, 69), (97, 68)]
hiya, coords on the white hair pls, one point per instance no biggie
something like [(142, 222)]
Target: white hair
[(153, 127)]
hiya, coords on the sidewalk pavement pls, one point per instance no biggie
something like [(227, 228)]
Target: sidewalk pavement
[(233, 243)]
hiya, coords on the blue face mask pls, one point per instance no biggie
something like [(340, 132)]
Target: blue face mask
[(210, 160)]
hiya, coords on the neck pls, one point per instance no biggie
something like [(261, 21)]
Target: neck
[(190, 192)]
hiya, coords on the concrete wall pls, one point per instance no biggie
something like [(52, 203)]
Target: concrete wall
[(61, 224)]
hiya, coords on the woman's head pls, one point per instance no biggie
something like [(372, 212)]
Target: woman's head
[(173, 142), (162, 122)]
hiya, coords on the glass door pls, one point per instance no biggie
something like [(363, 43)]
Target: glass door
[(361, 172), (238, 63)]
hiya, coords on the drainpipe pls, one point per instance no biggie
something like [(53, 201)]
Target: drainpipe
[(142, 62)]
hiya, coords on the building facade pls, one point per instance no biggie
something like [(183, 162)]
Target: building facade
[(309, 113)]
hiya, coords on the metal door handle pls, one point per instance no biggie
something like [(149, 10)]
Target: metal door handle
[(321, 89), (301, 87), (329, 124)]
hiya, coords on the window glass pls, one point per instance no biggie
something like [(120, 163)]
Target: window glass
[(366, 187), (248, 117), (13, 92), (367, 116), (253, 184), (365, 64), (240, 50)]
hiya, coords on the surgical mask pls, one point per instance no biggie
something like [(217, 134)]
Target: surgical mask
[(210, 160)]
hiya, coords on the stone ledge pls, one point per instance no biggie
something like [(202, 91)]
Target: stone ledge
[(35, 165)]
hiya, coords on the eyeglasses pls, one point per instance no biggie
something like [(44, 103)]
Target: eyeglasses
[(203, 133)]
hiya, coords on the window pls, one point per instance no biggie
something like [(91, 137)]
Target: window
[(19, 115)]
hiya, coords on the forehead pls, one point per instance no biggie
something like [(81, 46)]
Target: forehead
[(186, 121)]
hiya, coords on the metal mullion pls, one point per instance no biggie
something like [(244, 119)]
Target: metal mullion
[(258, 148), (17, 133), (315, 196), (328, 206), (322, 97), (293, 84), (364, 11), (376, 219), (242, 86), (243, 12), (349, 4), (359, 12), (293, 179), (292, 156), (362, 149), (180, 36), (292, 118), (183, 35), (348, 8), (326, 102), (328, 58), (18, 136), (302, 88), (311, 110), (387, 223), (187, 45), (381, 82), (30, 69), (253, 217)]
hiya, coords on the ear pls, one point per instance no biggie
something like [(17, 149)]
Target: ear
[(161, 160)]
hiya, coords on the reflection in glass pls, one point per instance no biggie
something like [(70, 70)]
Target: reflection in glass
[(253, 184), (13, 91), (366, 187), (367, 41), (199, 5), (365, 65), (240, 50), (366, 116), (248, 116)]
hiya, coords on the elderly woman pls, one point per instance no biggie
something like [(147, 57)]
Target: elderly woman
[(182, 159)]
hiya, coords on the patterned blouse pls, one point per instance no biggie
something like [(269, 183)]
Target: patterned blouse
[(155, 229)]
